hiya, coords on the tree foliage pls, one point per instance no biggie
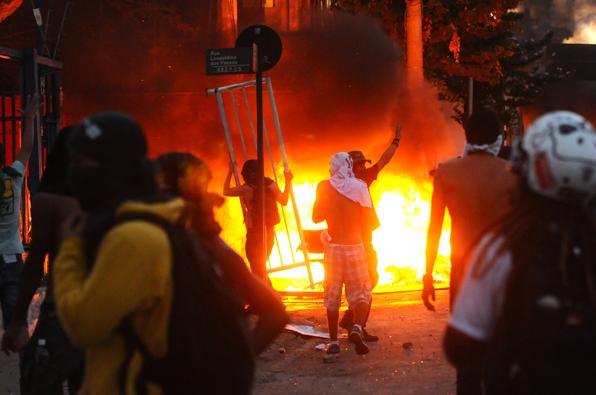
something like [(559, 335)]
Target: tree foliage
[(472, 38)]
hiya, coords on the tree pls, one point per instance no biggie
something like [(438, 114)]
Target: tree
[(472, 38)]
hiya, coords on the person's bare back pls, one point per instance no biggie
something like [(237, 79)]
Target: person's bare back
[(344, 217), (477, 190)]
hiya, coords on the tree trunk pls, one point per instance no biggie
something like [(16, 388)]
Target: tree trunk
[(414, 44)]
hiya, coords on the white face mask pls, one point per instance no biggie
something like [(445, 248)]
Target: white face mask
[(492, 148)]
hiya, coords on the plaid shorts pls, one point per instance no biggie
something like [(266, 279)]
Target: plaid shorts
[(346, 264)]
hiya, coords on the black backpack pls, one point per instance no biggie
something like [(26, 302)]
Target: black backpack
[(544, 341), (209, 349)]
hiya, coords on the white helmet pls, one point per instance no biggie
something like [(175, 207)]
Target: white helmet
[(558, 157)]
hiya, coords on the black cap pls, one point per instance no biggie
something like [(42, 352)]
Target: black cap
[(111, 138), (358, 156)]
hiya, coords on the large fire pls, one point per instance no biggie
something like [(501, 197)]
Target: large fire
[(403, 207)]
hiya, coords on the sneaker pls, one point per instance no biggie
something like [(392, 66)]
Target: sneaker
[(368, 337), (347, 321), (333, 348), (357, 337)]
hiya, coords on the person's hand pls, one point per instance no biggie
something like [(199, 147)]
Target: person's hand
[(15, 337), (73, 226), (31, 108), (288, 176), (428, 292)]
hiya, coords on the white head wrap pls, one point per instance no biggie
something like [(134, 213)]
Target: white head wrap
[(343, 180), (492, 148)]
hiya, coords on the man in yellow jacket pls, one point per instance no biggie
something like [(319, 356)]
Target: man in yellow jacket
[(129, 274), (107, 274)]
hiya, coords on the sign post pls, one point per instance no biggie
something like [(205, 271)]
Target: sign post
[(258, 48)]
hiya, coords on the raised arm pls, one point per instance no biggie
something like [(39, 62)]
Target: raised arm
[(390, 151), (435, 226), (282, 197), (29, 112)]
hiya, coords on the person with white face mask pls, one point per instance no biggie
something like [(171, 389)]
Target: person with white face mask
[(344, 202)]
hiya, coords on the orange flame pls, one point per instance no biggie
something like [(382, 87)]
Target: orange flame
[(403, 207)]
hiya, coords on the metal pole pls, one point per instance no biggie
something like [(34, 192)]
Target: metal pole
[(260, 201), (303, 245), (266, 134)]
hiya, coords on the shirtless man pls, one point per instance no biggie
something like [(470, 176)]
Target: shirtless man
[(477, 190), (344, 202)]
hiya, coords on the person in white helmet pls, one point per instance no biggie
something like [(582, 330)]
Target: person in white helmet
[(526, 311)]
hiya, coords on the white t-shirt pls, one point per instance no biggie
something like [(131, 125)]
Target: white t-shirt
[(480, 298), (10, 211)]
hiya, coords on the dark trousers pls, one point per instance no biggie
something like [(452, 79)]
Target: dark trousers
[(10, 275), (469, 381), (49, 359), (258, 265)]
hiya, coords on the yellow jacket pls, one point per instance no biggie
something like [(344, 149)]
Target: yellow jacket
[(131, 277)]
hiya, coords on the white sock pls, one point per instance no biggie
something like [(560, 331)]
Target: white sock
[(334, 342), (358, 326)]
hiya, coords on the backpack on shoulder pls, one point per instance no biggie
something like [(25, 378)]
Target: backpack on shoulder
[(209, 348)]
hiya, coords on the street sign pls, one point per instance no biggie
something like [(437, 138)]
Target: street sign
[(229, 61), (266, 39)]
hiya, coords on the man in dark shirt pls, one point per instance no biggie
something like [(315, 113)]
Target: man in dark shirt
[(369, 175)]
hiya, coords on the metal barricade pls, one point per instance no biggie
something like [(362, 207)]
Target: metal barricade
[(242, 88)]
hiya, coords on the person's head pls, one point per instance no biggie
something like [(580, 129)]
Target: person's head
[(359, 161), (109, 161), (55, 176), (483, 127), (250, 171), (183, 174), (340, 165)]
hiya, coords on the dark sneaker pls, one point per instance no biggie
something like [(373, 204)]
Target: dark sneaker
[(368, 337), (357, 337), (333, 348), (347, 321)]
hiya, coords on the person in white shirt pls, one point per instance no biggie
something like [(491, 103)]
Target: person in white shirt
[(11, 186), (526, 311)]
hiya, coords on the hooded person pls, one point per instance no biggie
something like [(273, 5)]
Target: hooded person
[(107, 272), (344, 202)]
